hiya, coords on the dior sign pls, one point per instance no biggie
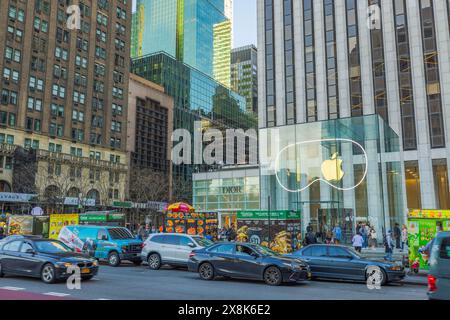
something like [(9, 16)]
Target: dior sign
[(230, 190)]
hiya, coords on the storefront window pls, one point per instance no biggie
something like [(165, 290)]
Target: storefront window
[(441, 184), (412, 179), (360, 192)]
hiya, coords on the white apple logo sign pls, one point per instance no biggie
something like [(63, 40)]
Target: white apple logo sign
[(331, 169)]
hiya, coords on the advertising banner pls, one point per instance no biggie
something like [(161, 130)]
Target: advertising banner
[(20, 225), (279, 230), (58, 221)]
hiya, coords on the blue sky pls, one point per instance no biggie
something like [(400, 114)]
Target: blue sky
[(244, 22)]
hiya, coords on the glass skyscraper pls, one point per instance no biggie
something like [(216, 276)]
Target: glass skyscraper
[(197, 97), (185, 29)]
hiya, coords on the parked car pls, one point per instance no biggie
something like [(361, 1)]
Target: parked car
[(115, 244), (43, 258), (439, 274), (340, 262), (247, 261), (171, 249)]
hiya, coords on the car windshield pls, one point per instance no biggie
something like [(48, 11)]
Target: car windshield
[(203, 242), (120, 234), (52, 247), (264, 250)]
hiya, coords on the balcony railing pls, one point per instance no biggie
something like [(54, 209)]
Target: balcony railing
[(7, 148)]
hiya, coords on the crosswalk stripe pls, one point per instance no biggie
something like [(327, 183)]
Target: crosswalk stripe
[(57, 294), (12, 288)]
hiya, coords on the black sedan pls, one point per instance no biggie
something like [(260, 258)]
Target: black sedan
[(247, 261), (50, 260), (339, 262)]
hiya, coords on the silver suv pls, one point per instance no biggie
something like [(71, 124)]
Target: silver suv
[(171, 248)]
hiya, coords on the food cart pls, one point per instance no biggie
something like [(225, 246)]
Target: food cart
[(278, 230), (182, 218), (423, 225)]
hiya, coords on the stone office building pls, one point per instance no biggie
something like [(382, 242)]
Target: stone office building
[(328, 60), (64, 91)]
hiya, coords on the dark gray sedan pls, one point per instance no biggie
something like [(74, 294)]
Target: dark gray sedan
[(339, 262)]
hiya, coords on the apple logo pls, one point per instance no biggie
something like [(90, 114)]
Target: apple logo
[(332, 169)]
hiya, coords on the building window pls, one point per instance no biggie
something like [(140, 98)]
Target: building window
[(431, 65), (354, 60), (310, 61), (332, 75), (405, 76), (441, 187), (378, 67), (289, 61), (270, 63)]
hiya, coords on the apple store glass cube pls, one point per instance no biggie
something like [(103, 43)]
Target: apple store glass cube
[(336, 172)]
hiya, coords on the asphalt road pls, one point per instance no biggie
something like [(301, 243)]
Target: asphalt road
[(128, 282)]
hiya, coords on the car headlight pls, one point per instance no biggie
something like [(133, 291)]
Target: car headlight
[(95, 263), (63, 264)]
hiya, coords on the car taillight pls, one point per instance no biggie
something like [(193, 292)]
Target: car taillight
[(192, 254), (432, 283), (143, 245)]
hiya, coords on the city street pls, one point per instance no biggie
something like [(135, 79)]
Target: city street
[(139, 283)]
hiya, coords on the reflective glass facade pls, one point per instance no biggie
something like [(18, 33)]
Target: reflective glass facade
[(184, 29), (311, 167), (196, 95)]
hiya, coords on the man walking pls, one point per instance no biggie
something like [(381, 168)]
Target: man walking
[(388, 246), (357, 242), (397, 236)]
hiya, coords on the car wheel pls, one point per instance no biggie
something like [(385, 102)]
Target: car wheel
[(113, 259), (1, 271), (206, 271), (382, 275), (48, 273), (86, 278), (273, 276), (154, 261)]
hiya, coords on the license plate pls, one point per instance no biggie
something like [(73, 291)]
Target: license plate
[(309, 274), (85, 270)]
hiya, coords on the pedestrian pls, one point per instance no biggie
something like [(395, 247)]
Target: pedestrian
[(357, 242), (310, 238), (397, 235), (364, 235), (140, 231), (309, 228), (329, 237), (337, 234), (373, 238), (404, 237), (231, 235), (2, 232), (388, 246), (208, 236), (154, 230)]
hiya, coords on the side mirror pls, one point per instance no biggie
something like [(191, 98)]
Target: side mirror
[(254, 255), (191, 244), (104, 237), (30, 251)]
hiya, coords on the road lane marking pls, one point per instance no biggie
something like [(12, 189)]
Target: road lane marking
[(57, 294), (12, 288), (103, 299)]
